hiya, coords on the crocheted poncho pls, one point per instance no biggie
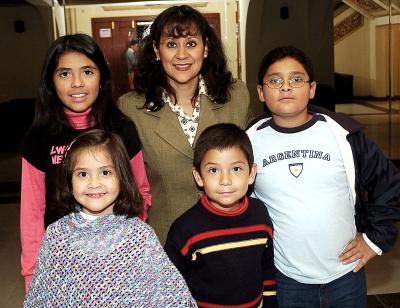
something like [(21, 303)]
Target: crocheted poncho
[(110, 261)]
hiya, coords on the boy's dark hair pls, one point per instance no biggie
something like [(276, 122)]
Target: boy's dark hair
[(49, 110), (133, 42), (221, 137), (280, 53), (181, 21), (129, 201)]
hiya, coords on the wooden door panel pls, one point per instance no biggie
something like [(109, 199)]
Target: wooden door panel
[(114, 48), (105, 43), (121, 42)]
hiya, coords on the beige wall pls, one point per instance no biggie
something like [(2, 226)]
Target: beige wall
[(365, 55), (352, 56), (79, 20), (309, 27), (382, 61), (22, 53), (396, 60)]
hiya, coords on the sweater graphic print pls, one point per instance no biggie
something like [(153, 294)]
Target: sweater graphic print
[(57, 153)]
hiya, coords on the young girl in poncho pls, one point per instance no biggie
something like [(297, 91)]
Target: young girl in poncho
[(101, 254)]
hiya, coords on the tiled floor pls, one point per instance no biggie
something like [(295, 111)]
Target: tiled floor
[(384, 301), (375, 116), (383, 273), (11, 282)]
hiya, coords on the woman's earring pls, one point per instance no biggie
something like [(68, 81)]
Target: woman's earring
[(205, 55), (157, 58)]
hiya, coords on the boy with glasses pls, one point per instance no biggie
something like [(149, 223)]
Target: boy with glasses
[(332, 195)]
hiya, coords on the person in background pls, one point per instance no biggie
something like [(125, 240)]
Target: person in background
[(223, 245), (332, 194), (75, 94), (101, 253), (185, 87), (131, 60)]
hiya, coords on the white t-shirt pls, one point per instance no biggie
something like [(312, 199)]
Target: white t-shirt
[(302, 180)]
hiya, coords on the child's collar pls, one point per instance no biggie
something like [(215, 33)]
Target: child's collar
[(88, 216), (79, 120), (242, 208)]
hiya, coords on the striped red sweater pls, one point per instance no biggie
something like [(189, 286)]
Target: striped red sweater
[(226, 258)]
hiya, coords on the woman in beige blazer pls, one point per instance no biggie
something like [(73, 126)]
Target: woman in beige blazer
[(184, 88)]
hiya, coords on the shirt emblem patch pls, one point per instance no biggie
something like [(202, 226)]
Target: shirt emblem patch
[(296, 169)]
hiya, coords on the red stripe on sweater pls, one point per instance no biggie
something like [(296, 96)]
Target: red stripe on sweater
[(271, 282), (216, 233)]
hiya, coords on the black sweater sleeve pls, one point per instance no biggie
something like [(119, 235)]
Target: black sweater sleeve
[(269, 291)]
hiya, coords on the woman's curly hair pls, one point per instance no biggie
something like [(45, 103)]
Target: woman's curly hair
[(181, 21)]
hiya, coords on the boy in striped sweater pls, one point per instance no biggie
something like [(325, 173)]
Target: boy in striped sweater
[(223, 244)]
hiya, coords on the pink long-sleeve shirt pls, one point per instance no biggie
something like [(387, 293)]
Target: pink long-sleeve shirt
[(33, 203)]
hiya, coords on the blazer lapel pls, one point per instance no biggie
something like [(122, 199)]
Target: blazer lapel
[(207, 116), (170, 130)]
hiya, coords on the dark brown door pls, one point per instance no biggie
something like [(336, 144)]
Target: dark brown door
[(113, 36)]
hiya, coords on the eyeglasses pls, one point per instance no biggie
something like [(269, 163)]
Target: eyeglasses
[(277, 82)]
